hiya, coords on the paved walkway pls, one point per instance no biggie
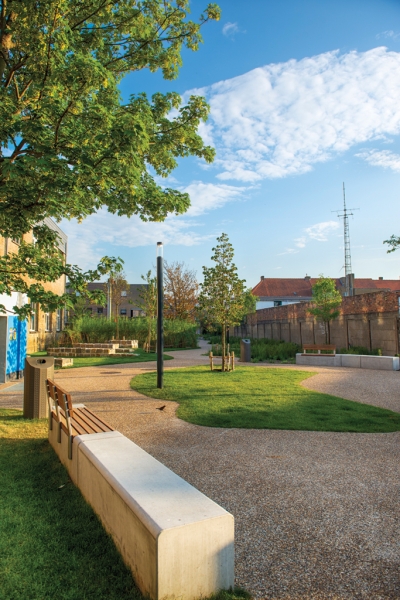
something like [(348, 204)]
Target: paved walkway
[(316, 513)]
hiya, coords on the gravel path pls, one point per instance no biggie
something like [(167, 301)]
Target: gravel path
[(316, 513)]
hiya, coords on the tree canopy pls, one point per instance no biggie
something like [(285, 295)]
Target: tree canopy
[(69, 144), (326, 301), (393, 243), (223, 297), (180, 291)]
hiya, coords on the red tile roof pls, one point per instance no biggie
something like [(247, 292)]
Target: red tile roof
[(302, 288)]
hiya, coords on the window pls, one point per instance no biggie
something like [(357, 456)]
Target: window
[(33, 317), (277, 302), (123, 312), (58, 319), (66, 316), (123, 294), (134, 313), (88, 311), (47, 321), (100, 310)]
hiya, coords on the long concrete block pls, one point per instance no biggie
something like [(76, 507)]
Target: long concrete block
[(351, 360), (385, 363), (318, 360), (177, 542)]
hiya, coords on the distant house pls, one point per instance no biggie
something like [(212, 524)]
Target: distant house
[(280, 291), (130, 301)]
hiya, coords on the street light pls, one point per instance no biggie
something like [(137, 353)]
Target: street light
[(160, 315)]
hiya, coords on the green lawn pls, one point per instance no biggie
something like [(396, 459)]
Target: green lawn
[(51, 542), (258, 398), (52, 546), (118, 359)]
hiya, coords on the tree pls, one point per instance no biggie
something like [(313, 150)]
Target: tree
[(180, 291), (326, 300), (148, 303), (68, 143), (393, 243), (118, 284), (223, 297)]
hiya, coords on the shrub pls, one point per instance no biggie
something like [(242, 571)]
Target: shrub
[(361, 350), (261, 349), (177, 333)]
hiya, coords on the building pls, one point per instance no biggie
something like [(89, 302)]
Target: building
[(127, 304), (280, 292), (16, 337)]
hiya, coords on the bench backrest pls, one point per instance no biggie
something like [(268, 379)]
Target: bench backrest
[(318, 347)]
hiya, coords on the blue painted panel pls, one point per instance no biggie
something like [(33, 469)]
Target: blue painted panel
[(16, 345)]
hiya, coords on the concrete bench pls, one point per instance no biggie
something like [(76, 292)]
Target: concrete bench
[(354, 361), (177, 542)]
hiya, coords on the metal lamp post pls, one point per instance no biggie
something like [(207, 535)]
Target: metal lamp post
[(160, 315)]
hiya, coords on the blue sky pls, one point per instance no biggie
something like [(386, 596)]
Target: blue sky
[(304, 95)]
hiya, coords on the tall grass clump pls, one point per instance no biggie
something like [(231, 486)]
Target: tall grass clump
[(261, 349), (177, 333)]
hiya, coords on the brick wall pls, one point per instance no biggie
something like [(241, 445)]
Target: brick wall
[(371, 320)]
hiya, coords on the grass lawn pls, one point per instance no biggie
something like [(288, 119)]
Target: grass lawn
[(257, 398), (52, 546), (51, 542), (118, 359)]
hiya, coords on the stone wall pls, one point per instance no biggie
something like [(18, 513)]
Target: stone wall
[(370, 320)]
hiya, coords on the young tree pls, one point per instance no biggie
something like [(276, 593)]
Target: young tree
[(118, 283), (223, 295), (148, 303), (326, 300), (68, 143), (180, 291)]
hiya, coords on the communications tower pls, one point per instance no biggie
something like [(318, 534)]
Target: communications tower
[(347, 254)]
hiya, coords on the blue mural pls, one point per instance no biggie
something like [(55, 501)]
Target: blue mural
[(16, 346)]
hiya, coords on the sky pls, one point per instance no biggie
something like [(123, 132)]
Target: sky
[(304, 96)]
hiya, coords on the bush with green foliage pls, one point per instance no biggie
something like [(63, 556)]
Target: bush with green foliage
[(361, 350), (261, 349), (177, 333)]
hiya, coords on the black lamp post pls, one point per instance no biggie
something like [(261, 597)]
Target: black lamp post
[(160, 315)]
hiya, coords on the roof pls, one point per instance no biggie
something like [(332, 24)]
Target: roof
[(302, 288)]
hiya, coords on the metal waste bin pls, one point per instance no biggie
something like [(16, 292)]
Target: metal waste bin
[(245, 351), (37, 370)]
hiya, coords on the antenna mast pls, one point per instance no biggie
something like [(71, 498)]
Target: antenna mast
[(347, 254)]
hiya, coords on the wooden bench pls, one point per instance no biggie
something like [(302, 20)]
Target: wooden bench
[(73, 420), (177, 542), (318, 349)]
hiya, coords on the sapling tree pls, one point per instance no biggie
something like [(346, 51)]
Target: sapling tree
[(326, 301), (69, 143), (148, 303), (223, 297)]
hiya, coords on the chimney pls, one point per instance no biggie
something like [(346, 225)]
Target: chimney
[(307, 277), (380, 278), (262, 277)]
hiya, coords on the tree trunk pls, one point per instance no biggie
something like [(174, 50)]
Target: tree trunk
[(117, 328), (149, 336), (223, 346), (326, 331)]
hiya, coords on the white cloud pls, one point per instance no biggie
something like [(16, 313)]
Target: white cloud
[(85, 239), (209, 196), (381, 158), (283, 118), (318, 232), (229, 29), (388, 34)]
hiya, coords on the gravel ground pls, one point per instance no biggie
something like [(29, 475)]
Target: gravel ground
[(316, 513)]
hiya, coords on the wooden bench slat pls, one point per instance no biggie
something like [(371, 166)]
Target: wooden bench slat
[(99, 422), (86, 425)]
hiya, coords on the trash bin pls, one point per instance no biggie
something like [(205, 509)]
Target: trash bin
[(245, 351), (37, 370)]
